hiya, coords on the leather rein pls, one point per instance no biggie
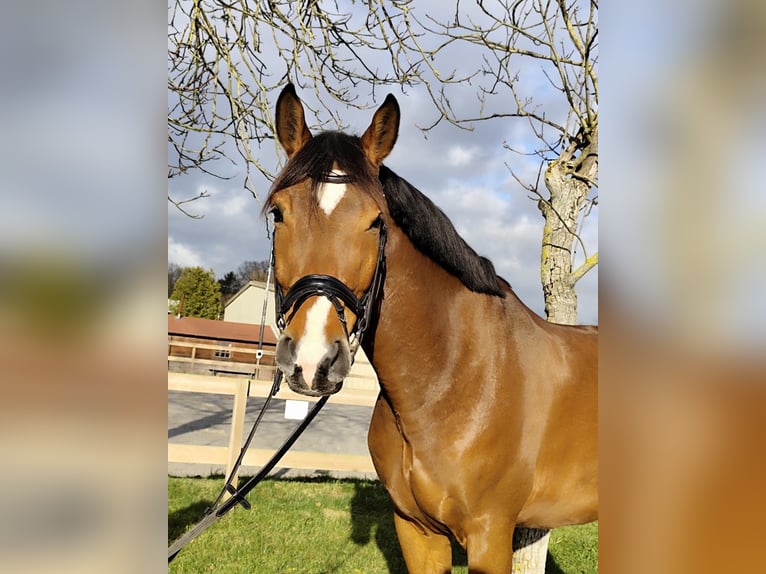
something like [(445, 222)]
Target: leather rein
[(287, 304)]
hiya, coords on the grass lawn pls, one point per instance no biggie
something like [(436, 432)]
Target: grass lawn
[(317, 526)]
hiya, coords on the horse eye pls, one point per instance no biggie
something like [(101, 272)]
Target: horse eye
[(276, 214), (377, 224)]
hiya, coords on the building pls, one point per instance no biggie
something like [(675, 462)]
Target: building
[(206, 346), (246, 306)]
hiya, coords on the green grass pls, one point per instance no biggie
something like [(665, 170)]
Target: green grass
[(317, 526)]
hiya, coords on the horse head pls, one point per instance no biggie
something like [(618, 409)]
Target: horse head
[(329, 219)]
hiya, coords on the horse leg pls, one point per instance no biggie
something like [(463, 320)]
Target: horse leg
[(490, 551), (424, 552)]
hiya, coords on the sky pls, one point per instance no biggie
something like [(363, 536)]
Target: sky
[(464, 172)]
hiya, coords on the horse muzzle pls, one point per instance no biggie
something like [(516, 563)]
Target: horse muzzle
[(317, 364), (312, 370)]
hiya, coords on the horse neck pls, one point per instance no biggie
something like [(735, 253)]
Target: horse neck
[(424, 319)]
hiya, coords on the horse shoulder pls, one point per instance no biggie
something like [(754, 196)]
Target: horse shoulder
[(389, 455), (415, 488)]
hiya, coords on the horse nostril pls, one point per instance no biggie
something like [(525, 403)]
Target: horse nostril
[(339, 361), (285, 354), (336, 353)]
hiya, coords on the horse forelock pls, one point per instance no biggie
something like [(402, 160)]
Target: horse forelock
[(323, 154)]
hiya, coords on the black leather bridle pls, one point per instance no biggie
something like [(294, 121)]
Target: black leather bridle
[(339, 294)]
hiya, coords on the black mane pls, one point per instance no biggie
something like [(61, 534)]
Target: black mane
[(429, 229)]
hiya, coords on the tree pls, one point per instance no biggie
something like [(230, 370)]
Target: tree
[(246, 272), (229, 286), (225, 60), (252, 271), (220, 77), (198, 294), (561, 38), (174, 272)]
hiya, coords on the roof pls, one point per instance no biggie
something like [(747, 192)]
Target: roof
[(219, 330), (257, 284)]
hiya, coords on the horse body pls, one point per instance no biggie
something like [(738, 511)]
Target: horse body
[(478, 442), (487, 414)]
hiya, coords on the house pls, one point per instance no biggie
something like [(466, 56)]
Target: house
[(246, 305), (206, 346)]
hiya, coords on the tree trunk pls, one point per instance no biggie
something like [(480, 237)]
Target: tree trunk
[(560, 214), (530, 550), (531, 544), (568, 180)]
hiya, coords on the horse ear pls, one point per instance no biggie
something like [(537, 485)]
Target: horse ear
[(292, 131), (380, 137)]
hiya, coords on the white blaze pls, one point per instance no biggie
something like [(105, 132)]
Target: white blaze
[(330, 194), (313, 344)]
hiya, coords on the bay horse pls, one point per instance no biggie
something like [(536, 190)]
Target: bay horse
[(487, 414)]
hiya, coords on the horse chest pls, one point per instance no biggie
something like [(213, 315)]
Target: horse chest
[(413, 482)]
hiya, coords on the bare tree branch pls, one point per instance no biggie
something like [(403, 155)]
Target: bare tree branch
[(179, 204), (586, 266), (221, 71)]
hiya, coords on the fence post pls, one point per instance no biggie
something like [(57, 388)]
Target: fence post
[(237, 425)]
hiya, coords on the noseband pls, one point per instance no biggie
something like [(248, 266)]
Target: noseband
[(339, 295)]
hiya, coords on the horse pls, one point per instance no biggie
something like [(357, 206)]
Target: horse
[(486, 417)]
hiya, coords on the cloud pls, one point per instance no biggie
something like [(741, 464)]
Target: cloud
[(230, 231), (235, 205), (183, 255), (502, 226), (461, 156)]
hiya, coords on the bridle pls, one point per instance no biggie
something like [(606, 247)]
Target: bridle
[(339, 294)]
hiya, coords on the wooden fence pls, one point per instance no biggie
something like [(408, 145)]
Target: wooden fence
[(239, 359), (246, 360), (240, 388)]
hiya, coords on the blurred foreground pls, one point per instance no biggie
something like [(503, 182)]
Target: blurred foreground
[(681, 301)]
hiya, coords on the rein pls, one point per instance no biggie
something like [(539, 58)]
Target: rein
[(287, 305), (238, 494)]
